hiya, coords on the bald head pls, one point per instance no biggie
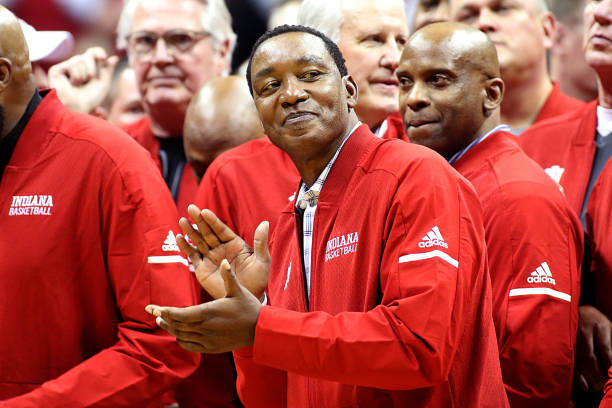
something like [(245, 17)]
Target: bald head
[(16, 80), (221, 116), (458, 42), (450, 86)]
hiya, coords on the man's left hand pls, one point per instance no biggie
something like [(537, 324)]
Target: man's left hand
[(215, 327)]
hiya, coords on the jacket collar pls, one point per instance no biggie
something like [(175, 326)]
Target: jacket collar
[(496, 143)]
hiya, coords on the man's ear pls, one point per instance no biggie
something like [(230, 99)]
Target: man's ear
[(223, 65), (549, 25), (494, 94), (6, 72), (352, 92)]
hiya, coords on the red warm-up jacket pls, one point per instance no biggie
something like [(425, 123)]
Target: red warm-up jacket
[(86, 242), (399, 312), (534, 243), (565, 148)]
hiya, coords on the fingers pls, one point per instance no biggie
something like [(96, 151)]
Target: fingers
[(175, 315), (260, 242), (592, 373), (221, 231), (194, 235), (232, 286), (204, 231), (189, 250)]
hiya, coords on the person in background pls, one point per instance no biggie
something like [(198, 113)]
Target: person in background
[(430, 11), (220, 116), (46, 48), (522, 31), (573, 149), (450, 93), (567, 64), (73, 330)]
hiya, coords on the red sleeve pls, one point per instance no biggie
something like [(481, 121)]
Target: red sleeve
[(137, 217), (535, 246), (410, 339)]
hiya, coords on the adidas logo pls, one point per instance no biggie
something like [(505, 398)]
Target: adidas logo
[(555, 172), (542, 274), (432, 238), (170, 243)]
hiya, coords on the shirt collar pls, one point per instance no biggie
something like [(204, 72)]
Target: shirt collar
[(9, 142), (604, 121), (463, 151), (316, 187)]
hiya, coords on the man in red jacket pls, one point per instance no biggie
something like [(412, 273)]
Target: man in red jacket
[(522, 32), (370, 59), (573, 150), (87, 239), (379, 292), (450, 93)]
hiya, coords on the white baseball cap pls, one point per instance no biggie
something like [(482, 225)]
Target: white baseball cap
[(49, 46)]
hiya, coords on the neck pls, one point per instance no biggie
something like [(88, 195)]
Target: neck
[(312, 166), (524, 98), (15, 101), (487, 125), (605, 90), (166, 119)]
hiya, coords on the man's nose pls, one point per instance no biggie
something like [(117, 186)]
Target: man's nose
[(391, 54), (292, 92), (161, 54), (486, 20), (416, 98)]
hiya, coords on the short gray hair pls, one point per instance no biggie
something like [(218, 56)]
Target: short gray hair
[(216, 19), (324, 15)]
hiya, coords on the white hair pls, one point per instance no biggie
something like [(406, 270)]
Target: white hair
[(324, 15), (215, 19)]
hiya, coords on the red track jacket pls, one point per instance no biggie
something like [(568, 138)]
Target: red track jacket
[(400, 306), (599, 214), (557, 104), (565, 148), (86, 243), (529, 229), (142, 133), (244, 186)]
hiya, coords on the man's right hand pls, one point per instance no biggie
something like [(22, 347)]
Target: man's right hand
[(83, 81), (593, 349), (214, 242)]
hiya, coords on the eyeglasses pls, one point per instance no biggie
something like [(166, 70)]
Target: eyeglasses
[(177, 41)]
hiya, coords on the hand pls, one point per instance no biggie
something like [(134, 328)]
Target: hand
[(83, 81), (214, 242), (215, 327), (593, 349)]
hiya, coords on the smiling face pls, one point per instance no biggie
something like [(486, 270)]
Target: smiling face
[(598, 36), (371, 41), (442, 93), (302, 100), (517, 29), (165, 77)]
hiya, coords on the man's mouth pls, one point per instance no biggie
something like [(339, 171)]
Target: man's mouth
[(297, 117)]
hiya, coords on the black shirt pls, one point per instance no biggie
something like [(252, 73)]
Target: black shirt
[(8, 143)]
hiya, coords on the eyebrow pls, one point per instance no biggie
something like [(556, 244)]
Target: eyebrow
[(305, 60)]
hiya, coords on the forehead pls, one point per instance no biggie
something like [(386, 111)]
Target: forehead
[(379, 15), (156, 15), (526, 4), (287, 50), (425, 54)]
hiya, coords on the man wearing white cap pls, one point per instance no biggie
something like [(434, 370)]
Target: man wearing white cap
[(46, 47)]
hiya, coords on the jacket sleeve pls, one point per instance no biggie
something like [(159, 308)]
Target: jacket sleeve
[(137, 222), (535, 247), (409, 340)]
